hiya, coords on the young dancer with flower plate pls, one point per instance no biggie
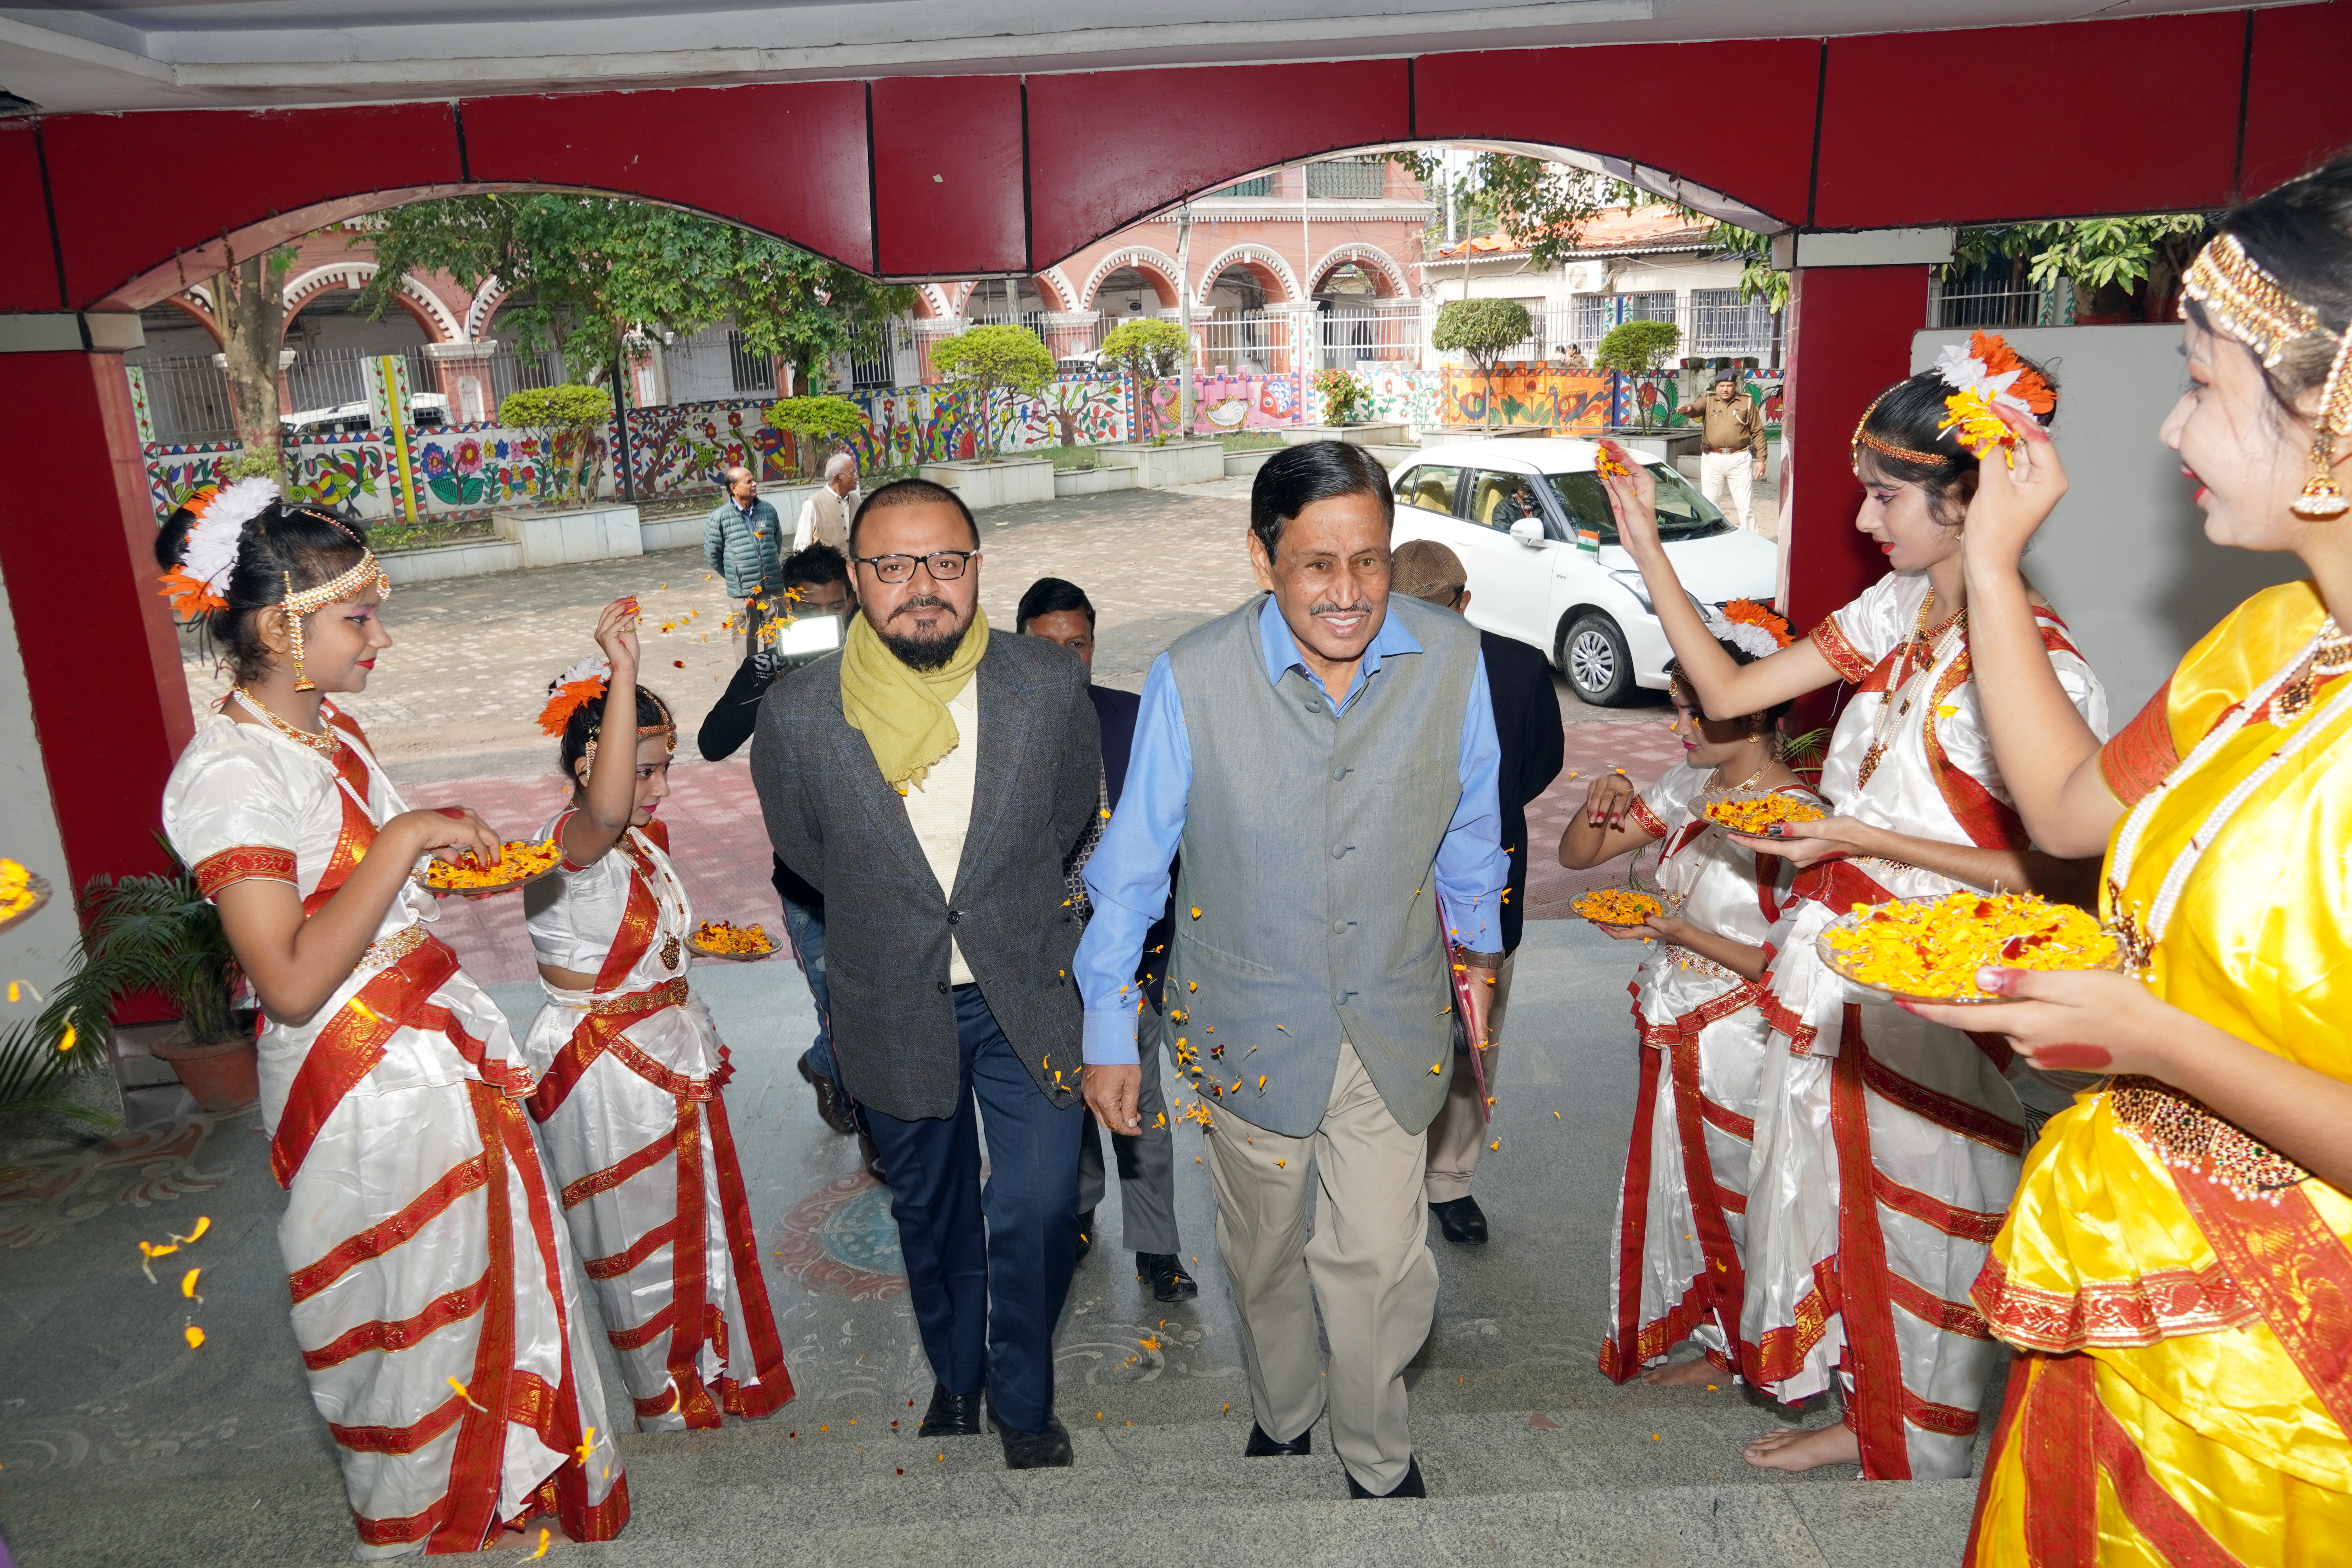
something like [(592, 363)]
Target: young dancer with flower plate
[(1886, 1146), (631, 1069), (434, 1294), (1682, 1216)]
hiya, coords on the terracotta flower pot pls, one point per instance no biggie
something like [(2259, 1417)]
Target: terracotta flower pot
[(223, 1075)]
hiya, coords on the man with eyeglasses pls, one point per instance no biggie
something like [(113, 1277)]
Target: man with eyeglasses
[(930, 780)]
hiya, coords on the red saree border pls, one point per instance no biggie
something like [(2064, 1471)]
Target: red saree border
[(466, 1176), (2110, 1315), (348, 1048), (244, 862), (2137, 756), (2295, 1269)]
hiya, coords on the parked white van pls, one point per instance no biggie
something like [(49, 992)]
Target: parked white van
[(1532, 524)]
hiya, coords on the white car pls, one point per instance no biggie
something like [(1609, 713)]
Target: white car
[(1529, 519)]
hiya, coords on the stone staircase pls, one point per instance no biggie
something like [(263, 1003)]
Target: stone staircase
[(1523, 1465)]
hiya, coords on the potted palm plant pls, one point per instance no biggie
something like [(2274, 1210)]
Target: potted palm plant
[(159, 934)]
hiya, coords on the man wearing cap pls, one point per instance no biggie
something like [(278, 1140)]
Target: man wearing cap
[(1528, 728), (1731, 438), (1325, 756)]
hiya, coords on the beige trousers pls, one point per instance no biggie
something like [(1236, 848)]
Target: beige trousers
[(1367, 1266), (1459, 1135)]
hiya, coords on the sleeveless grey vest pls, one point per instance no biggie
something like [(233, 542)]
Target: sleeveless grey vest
[(1309, 851)]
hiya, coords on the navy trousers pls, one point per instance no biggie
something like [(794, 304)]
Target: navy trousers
[(987, 1296)]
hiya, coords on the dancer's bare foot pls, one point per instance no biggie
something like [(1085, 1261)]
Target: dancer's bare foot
[(526, 1537), (1684, 1373), (1796, 1448)]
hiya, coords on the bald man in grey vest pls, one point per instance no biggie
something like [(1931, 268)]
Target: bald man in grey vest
[(1324, 757)]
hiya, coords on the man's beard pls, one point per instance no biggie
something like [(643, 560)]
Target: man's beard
[(920, 651)]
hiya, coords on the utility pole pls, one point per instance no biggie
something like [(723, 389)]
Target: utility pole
[(1185, 319)]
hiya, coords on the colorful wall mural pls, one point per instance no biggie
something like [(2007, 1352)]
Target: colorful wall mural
[(685, 449)]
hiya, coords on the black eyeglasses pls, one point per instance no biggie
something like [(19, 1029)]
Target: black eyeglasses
[(944, 566)]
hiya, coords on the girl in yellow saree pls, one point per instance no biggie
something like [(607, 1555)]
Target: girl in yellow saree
[(2176, 1264)]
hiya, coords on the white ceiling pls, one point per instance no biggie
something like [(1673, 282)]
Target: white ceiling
[(104, 55)]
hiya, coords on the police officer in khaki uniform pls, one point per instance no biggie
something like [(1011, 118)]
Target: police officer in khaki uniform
[(1732, 441)]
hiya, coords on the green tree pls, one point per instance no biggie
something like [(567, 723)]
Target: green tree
[(249, 300), (1481, 329), (1637, 349), (824, 425), (564, 421), (584, 271), (989, 360), (2118, 266), (1149, 351), (1539, 202)]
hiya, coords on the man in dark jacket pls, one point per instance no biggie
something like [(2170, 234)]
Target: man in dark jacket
[(1061, 612), (816, 584), (744, 541), (1526, 723), (930, 780)]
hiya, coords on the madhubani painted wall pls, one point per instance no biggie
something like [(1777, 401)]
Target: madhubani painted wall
[(685, 449)]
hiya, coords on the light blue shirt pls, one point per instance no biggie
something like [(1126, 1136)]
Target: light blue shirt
[(1126, 877)]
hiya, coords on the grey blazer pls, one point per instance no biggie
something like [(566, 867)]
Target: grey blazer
[(886, 924)]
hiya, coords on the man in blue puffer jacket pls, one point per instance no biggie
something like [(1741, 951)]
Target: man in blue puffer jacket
[(743, 541)]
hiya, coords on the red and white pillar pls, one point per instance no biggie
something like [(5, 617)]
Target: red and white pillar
[(1855, 302), (101, 714)]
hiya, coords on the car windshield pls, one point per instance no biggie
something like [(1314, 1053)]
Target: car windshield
[(1683, 512)]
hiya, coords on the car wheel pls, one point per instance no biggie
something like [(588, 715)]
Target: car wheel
[(1597, 661)]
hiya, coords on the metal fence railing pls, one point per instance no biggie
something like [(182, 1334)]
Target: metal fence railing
[(321, 379), (1351, 335), (187, 399), (2051, 307)]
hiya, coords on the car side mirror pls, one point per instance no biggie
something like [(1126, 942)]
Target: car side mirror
[(1529, 531)]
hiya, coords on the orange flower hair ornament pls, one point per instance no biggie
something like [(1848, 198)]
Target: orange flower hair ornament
[(1984, 376), (584, 682), (199, 583)]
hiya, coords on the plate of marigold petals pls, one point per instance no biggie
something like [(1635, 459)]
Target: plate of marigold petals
[(521, 863), (1616, 907), (1930, 949), (719, 939), (21, 893), (1752, 815)]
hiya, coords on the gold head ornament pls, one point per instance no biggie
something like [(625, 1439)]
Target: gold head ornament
[(2244, 303)]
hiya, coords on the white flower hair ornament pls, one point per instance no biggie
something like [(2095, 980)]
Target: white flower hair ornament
[(200, 582), (1752, 640)]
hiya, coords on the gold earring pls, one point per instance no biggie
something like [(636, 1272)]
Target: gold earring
[(294, 625), (2322, 498)]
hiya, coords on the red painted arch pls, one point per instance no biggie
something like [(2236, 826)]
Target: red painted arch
[(962, 176)]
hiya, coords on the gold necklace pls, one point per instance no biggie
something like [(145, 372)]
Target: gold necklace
[(1724, 792), (324, 744), (1898, 698), (2332, 655)]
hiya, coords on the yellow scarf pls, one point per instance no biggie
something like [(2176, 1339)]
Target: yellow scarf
[(903, 712)]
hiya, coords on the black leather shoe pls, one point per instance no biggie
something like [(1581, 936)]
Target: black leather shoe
[(830, 1103), (1046, 1450), (1463, 1222), (951, 1415), (1262, 1447), (868, 1152), (1085, 1236), (1168, 1283), (1409, 1487)]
